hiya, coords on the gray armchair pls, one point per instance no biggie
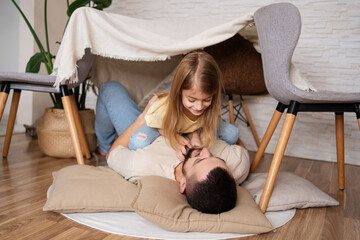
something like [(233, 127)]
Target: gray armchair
[(45, 83), (279, 27)]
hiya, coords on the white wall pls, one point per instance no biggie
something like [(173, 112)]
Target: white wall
[(328, 54), (9, 40), (32, 104), (9, 37)]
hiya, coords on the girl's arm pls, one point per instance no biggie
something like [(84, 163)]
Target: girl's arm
[(195, 139)]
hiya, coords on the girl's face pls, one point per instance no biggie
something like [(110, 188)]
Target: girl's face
[(195, 102)]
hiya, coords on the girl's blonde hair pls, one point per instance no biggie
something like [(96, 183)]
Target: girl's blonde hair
[(200, 68)]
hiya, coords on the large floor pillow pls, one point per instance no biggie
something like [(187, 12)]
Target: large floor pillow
[(83, 188)]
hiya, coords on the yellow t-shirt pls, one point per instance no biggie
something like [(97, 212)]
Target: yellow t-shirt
[(155, 116)]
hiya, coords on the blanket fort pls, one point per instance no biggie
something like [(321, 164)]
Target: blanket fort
[(119, 37), (142, 54)]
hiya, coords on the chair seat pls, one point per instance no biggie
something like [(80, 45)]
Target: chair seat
[(321, 96), (29, 78)]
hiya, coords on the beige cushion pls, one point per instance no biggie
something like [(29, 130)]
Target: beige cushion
[(159, 200), (83, 188), (290, 191)]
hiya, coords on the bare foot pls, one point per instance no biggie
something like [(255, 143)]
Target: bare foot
[(240, 143), (98, 151)]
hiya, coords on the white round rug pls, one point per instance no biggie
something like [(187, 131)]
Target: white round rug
[(131, 224)]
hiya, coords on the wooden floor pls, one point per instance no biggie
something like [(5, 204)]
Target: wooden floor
[(26, 175)]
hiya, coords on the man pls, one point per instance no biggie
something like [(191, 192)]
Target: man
[(208, 181)]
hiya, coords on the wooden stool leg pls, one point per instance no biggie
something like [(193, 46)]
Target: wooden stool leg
[(248, 117), (232, 119), (357, 111), (267, 136), (80, 128), (231, 110), (339, 122), (65, 98), (11, 122), (4, 93), (278, 155)]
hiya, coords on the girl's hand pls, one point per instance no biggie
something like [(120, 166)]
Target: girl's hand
[(181, 151)]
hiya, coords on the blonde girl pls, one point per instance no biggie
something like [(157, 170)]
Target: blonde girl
[(191, 106)]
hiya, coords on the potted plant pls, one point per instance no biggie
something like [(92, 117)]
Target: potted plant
[(53, 133)]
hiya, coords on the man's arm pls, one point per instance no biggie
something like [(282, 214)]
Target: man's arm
[(124, 138)]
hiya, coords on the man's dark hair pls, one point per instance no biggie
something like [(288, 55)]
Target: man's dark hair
[(216, 194)]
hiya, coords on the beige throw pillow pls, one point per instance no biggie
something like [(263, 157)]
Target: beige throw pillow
[(290, 191), (159, 200), (84, 188)]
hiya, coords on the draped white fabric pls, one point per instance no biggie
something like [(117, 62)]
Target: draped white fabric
[(115, 36)]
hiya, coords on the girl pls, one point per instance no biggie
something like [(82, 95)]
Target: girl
[(192, 105)]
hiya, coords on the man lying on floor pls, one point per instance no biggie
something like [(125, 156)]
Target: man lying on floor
[(208, 181)]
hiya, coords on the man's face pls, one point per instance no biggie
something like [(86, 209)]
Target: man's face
[(200, 162)]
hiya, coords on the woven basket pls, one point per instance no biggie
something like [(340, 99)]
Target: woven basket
[(54, 136)]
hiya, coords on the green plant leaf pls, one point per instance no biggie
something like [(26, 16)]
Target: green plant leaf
[(76, 4), (101, 4), (33, 65)]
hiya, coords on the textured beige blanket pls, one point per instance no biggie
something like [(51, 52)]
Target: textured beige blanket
[(141, 54), (119, 37)]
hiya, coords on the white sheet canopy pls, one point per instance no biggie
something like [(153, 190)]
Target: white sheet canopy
[(129, 50), (119, 37)]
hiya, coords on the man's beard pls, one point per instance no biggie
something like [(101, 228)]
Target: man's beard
[(189, 151)]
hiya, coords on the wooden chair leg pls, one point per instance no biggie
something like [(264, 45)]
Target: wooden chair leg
[(231, 111), (80, 128), (11, 122), (65, 98), (252, 127), (4, 93), (267, 136), (358, 113), (339, 122), (275, 164)]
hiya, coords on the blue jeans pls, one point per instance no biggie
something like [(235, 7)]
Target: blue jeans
[(116, 111)]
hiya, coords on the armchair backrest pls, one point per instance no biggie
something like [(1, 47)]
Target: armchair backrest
[(278, 26)]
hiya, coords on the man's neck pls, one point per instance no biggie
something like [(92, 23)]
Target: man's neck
[(178, 172)]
